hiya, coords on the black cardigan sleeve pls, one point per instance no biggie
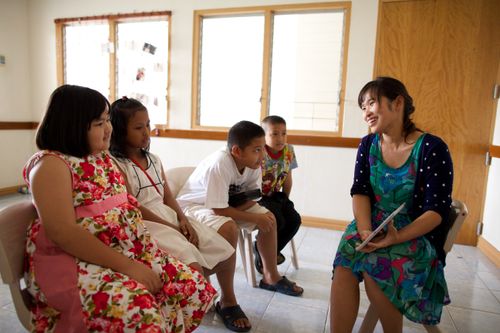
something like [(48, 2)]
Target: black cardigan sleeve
[(361, 182), (433, 188)]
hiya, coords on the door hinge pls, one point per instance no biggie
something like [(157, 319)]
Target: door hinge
[(487, 161), (479, 228), (496, 91)]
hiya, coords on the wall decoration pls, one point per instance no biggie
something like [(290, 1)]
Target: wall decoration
[(149, 48)]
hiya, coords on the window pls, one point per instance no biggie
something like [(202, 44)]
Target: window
[(283, 60), (232, 50), (118, 55)]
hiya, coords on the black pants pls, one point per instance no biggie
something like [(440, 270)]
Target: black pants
[(287, 219)]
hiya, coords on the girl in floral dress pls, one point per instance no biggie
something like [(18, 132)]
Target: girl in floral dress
[(403, 267), (91, 263)]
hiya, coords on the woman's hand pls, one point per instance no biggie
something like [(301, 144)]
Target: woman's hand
[(145, 275), (382, 239), (188, 231), (363, 234)]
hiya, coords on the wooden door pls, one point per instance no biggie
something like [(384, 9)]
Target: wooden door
[(447, 52)]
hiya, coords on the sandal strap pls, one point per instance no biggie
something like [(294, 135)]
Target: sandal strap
[(286, 283), (232, 312)]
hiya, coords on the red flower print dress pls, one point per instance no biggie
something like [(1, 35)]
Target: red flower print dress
[(71, 295)]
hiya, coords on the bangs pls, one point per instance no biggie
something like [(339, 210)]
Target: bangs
[(371, 88)]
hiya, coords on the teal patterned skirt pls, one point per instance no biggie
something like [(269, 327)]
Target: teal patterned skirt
[(409, 274)]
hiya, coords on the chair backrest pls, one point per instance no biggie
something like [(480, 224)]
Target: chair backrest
[(457, 216), (177, 177), (14, 221)]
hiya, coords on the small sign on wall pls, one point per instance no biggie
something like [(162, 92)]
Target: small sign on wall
[(2, 60)]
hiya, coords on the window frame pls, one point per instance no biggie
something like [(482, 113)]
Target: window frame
[(268, 12), (113, 20)]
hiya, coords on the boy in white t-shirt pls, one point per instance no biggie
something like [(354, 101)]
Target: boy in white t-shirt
[(221, 179)]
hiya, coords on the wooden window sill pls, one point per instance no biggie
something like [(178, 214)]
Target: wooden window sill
[(295, 139)]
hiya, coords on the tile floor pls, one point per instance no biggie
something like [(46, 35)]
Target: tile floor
[(474, 285)]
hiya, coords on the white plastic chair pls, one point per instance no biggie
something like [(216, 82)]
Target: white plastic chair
[(460, 211), (177, 177), (14, 221), (246, 251)]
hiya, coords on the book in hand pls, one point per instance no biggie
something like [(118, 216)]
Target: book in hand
[(380, 227), (238, 199)]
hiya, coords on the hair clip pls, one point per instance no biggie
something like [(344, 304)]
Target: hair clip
[(124, 98)]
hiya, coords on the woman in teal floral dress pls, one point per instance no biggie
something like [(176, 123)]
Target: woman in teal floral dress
[(403, 267), (91, 264)]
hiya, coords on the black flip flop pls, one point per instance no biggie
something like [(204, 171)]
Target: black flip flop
[(280, 258), (257, 260), (229, 315), (283, 286)]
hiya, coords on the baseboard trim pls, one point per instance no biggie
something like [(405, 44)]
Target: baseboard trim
[(9, 190), (489, 250), (318, 222)]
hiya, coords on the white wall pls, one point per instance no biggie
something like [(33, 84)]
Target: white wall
[(324, 176), (491, 216), (15, 91), (321, 183)]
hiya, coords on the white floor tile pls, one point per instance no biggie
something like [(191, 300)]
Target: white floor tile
[(474, 298), (280, 317), (497, 295), (472, 321), (492, 280)]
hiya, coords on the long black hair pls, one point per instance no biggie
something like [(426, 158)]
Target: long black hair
[(121, 111), (391, 89)]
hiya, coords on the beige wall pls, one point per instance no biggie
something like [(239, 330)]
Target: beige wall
[(15, 90), (491, 215)]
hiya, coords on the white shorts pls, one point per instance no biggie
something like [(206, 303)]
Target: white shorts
[(207, 216)]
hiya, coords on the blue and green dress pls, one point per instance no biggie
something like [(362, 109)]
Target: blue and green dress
[(410, 274)]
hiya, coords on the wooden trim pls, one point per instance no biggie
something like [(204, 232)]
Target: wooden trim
[(195, 69), (275, 8), (169, 40), (111, 17), (301, 140), (489, 250), (190, 134), (9, 190), (60, 53), (18, 125), (112, 59), (400, 0), (494, 151), (345, 56), (377, 39), (266, 64), (317, 222)]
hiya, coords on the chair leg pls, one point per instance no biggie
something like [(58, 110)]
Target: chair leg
[(251, 279), (241, 245), (432, 328), (370, 320), (295, 259)]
